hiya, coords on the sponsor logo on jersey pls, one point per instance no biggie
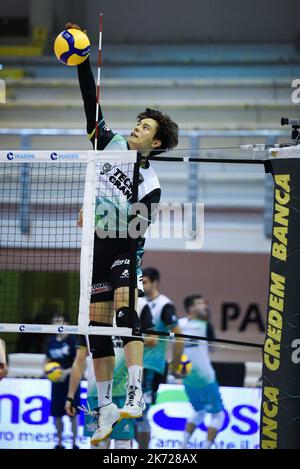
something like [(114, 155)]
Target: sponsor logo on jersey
[(100, 288), (106, 167), (120, 262), (141, 179), (125, 274), (106, 128), (122, 182)]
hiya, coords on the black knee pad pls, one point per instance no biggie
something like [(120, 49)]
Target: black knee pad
[(127, 318), (101, 346)]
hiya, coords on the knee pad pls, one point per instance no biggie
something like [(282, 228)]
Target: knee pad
[(197, 417), (217, 420), (122, 444), (126, 318), (101, 346)]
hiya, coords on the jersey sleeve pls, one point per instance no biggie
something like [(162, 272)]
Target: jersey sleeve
[(88, 93), (168, 315), (146, 318), (210, 331)]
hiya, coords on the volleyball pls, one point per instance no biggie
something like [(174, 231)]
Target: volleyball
[(53, 371), (185, 365), (72, 47)]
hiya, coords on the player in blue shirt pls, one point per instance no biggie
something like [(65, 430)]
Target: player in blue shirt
[(62, 349)]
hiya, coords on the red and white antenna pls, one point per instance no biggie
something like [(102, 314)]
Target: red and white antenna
[(98, 82)]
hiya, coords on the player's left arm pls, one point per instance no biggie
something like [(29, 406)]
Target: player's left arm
[(147, 324), (169, 317), (3, 361), (210, 333)]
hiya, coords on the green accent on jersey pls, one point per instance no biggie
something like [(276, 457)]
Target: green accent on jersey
[(155, 357), (120, 374), (112, 215)]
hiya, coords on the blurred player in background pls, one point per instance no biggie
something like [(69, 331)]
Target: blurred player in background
[(155, 364), (3, 360), (154, 132), (123, 431), (61, 348), (200, 384)]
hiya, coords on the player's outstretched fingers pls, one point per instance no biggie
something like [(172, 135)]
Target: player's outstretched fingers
[(72, 26), (75, 26)]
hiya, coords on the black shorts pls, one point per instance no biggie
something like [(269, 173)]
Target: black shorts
[(59, 394), (111, 267)]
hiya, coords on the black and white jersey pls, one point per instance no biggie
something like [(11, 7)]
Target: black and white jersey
[(115, 182)]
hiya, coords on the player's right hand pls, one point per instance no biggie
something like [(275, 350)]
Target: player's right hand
[(70, 409), (74, 26)]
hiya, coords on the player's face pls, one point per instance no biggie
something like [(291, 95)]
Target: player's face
[(142, 136), (199, 309), (149, 286), (58, 320)]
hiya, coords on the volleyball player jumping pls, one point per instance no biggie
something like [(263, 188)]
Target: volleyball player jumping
[(154, 132)]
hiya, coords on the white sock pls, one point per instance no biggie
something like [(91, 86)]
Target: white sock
[(206, 444), (135, 375), (186, 437), (104, 390)]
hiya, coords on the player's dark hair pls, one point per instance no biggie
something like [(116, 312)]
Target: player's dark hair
[(152, 274), (189, 300), (167, 131), (64, 316)]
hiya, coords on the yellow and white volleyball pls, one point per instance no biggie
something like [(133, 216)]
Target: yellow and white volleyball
[(185, 365), (53, 371), (72, 47)]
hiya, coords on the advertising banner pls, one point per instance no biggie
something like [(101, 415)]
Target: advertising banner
[(280, 423), (25, 420)]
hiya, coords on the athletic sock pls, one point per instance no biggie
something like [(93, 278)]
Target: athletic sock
[(104, 390), (186, 437), (206, 444), (135, 374)]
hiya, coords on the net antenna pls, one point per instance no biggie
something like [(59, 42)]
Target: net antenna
[(98, 82)]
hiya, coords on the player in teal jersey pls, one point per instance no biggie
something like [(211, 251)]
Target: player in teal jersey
[(165, 319), (200, 384)]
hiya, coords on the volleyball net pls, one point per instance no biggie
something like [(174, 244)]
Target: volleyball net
[(47, 266), (47, 244)]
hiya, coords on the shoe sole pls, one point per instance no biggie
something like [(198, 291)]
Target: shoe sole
[(98, 440), (126, 415)]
